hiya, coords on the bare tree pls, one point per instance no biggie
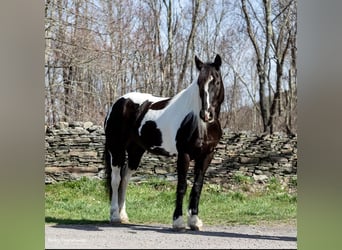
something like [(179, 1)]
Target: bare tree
[(99, 50), (190, 40), (273, 45)]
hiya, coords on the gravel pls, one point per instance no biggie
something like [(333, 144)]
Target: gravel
[(106, 236)]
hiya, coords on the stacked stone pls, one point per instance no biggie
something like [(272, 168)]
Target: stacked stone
[(259, 157), (72, 150), (76, 149)]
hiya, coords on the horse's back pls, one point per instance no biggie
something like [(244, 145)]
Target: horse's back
[(126, 114), (140, 98)]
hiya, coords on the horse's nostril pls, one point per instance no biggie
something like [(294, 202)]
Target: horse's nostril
[(206, 115)]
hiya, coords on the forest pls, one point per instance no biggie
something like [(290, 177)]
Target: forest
[(98, 50)]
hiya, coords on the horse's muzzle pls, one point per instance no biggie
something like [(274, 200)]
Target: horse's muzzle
[(207, 115)]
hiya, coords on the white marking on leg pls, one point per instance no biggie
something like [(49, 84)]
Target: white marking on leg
[(114, 206), (122, 194), (123, 215), (178, 223), (194, 222)]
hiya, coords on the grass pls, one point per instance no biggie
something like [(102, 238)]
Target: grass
[(86, 201)]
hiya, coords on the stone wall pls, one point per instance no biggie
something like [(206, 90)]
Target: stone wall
[(75, 149)]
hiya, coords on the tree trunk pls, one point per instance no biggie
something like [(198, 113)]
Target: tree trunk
[(262, 62), (196, 4), (67, 74), (169, 54)]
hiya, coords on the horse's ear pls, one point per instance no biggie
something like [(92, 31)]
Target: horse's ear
[(199, 63), (217, 62)]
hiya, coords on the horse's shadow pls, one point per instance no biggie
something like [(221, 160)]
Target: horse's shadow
[(92, 225)]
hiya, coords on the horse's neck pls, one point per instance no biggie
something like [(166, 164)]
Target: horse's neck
[(188, 99), (185, 102)]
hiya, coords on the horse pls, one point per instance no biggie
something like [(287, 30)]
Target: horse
[(186, 126)]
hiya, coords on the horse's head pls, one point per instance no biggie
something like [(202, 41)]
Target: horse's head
[(211, 88)]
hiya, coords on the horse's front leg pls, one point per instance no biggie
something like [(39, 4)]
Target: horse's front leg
[(182, 170), (201, 166)]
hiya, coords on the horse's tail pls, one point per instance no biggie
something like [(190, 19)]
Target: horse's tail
[(108, 170)]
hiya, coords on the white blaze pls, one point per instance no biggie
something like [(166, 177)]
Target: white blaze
[(206, 89)]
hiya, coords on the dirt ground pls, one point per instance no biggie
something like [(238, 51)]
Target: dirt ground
[(106, 236)]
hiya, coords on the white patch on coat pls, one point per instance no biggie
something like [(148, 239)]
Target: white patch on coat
[(139, 98), (169, 119)]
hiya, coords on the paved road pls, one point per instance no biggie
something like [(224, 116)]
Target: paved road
[(107, 236)]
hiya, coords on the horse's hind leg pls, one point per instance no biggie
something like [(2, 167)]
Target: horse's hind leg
[(134, 156), (117, 130), (117, 164), (125, 174)]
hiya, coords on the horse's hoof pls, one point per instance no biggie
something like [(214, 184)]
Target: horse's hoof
[(195, 223), (115, 221), (179, 229), (178, 224), (125, 221), (196, 228)]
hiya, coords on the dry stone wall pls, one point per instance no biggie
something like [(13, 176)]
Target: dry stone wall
[(75, 149)]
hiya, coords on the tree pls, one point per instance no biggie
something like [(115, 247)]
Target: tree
[(272, 44), (190, 41), (99, 50)]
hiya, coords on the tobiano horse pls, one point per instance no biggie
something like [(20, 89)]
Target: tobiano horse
[(186, 125)]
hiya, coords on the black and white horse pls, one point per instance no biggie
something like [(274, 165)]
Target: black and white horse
[(186, 125)]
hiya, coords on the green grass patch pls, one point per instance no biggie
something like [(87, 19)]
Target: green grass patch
[(86, 201)]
